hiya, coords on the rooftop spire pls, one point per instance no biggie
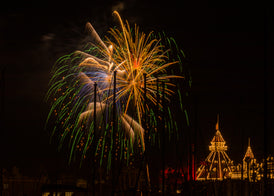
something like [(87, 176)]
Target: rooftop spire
[(217, 124)]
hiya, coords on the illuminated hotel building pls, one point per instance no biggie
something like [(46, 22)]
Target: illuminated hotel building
[(218, 165)]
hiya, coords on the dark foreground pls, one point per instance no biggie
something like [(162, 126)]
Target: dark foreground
[(31, 187)]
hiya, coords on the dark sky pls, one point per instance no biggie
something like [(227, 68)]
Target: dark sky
[(225, 47)]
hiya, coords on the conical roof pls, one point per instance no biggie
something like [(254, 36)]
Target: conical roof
[(249, 154), (218, 137)]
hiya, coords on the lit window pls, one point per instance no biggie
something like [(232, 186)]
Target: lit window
[(68, 193)]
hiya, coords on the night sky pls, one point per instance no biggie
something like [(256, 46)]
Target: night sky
[(225, 47)]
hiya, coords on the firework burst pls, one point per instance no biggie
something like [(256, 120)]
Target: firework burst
[(132, 57)]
